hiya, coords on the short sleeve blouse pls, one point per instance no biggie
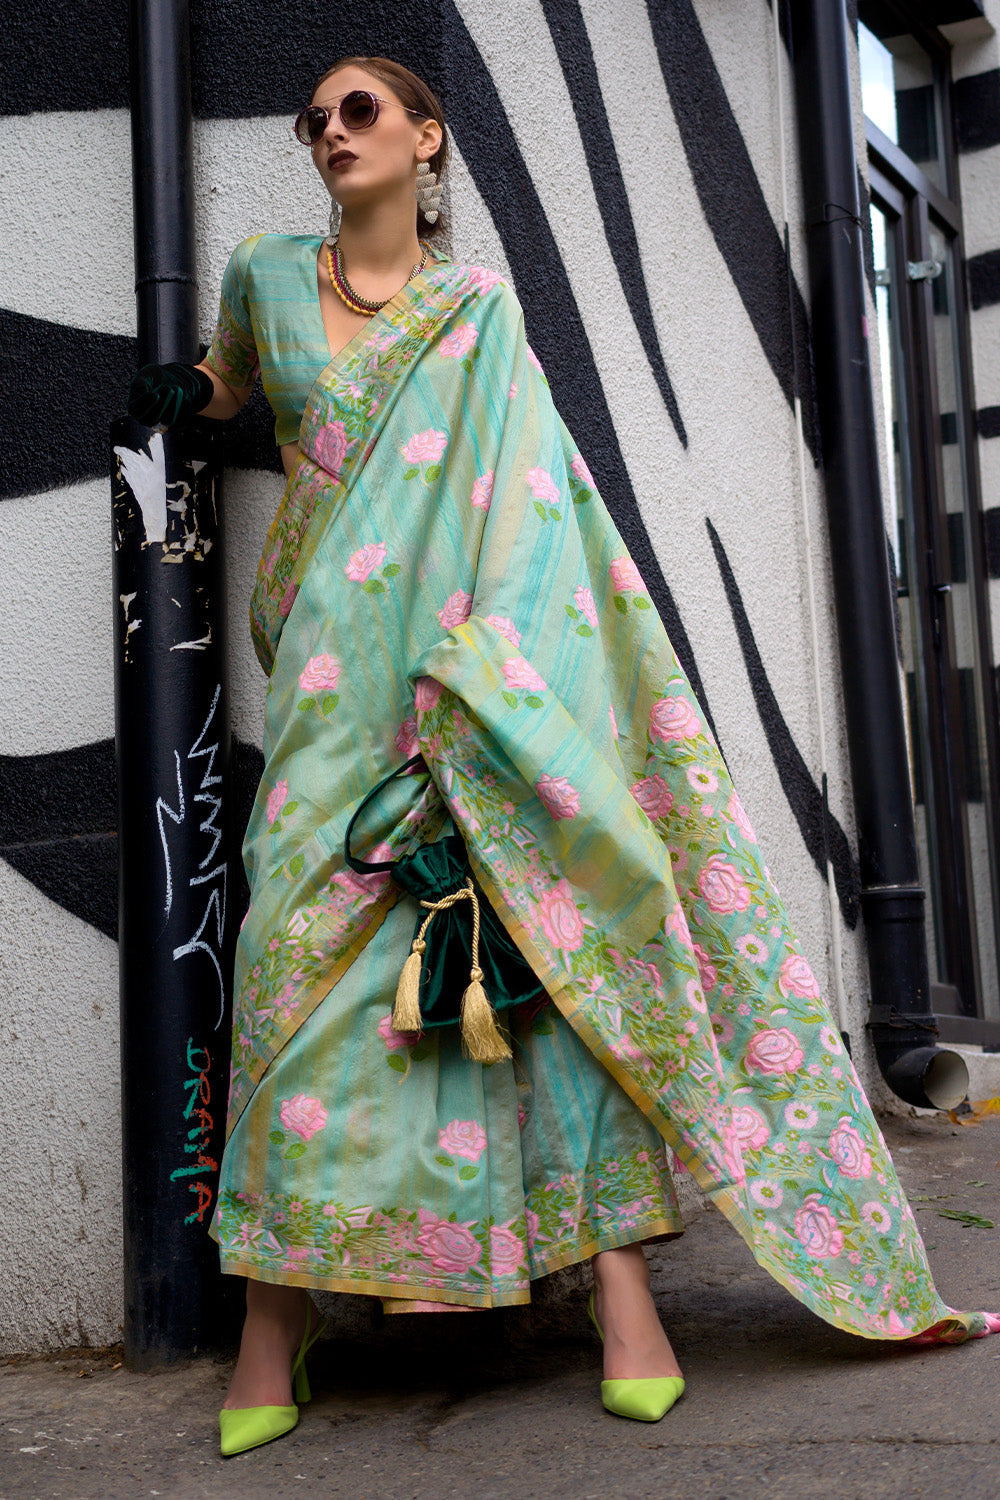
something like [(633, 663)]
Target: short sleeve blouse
[(270, 321)]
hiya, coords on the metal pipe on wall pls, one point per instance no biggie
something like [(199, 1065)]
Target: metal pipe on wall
[(901, 1024), (173, 750)]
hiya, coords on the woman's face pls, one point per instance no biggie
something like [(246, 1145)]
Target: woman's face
[(360, 166)]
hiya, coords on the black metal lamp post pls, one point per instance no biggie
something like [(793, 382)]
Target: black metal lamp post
[(173, 749)]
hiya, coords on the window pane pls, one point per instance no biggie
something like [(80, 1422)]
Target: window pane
[(958, 570), (888, 257), (899, 94), (878, 89)]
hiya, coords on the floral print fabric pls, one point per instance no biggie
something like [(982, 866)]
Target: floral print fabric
[(515, 645), (369, 1162)]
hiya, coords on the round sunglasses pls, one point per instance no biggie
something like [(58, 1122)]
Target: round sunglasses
[(357, 110)]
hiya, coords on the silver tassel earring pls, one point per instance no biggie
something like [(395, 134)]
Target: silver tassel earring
[(428, 192), (335, 217)]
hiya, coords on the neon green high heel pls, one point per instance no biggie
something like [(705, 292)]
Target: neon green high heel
[(244, 1427), (642, 1400)]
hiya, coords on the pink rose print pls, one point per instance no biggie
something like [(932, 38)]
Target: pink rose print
[(428, 692), (406, 738), (585, 604), (559, 796), (303, 1115), (848, 1150), (750, 1126), (276, 799), (456, 345), (534, 360), (767, 1194), (506, 1251), (482, 490), (521, 674), (543, 486), (450, 1247), (513, 391), (320, 674), (800, 1116), (732, 1154), (364, 561), (425, 447), (288, 599), (625, 576), (581, 471), (481, 281), (774, 1052), (561, 922), (721, 886), (463, 1138), (457, 609), (613, 721), (673, 719), (505, 627), (817, 1230), (707, 972), (393, 1039), (331, 447), (738, 814), (796, 978), (653, 796)]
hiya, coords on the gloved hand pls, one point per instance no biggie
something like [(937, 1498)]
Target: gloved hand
[(163, 395)]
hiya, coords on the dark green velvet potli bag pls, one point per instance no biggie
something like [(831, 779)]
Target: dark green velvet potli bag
[(463, 965)]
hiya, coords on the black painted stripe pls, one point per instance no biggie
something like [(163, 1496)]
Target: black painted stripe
[(70, 57), (991, 539), (976, 105), (576, 58), (61, 386), (79, 380), (988, 421), (58, 816), (821, 833), (983, 272), (552, 316), (732, 199)]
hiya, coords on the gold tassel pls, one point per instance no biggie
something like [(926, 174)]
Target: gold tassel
[(480, 1038), (406, 1011)]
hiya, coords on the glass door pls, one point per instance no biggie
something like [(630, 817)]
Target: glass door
[(940, 574)]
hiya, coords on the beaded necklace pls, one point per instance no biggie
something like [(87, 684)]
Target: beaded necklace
[(346, 292)]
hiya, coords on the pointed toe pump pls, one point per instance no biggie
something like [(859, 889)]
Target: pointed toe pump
[(642, 1400), (245, 1427)]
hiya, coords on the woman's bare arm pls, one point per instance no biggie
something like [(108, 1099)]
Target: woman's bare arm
[(227, 400)]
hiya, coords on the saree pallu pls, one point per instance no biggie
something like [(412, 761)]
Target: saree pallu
[(443, 576)]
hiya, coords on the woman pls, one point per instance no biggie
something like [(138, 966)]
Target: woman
[(442, 579)]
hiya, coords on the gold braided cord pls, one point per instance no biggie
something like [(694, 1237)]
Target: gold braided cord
[(481, 1039)]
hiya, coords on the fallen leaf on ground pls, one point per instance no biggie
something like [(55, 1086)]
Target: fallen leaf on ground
[(967, 1220), (975, 1112)]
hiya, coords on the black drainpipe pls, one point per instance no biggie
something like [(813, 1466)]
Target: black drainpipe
[(173, 750), (902, 1026)]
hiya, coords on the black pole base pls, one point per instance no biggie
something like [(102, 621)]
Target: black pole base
[(175, 922)]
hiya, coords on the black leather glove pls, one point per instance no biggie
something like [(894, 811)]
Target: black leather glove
[(163, 395)]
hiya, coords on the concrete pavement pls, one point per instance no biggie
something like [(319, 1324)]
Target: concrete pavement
[(506, 1406)]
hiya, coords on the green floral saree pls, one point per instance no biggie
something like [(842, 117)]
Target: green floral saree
[(443, 577)]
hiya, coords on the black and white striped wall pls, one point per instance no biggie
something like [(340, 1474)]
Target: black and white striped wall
[(630, 166)]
